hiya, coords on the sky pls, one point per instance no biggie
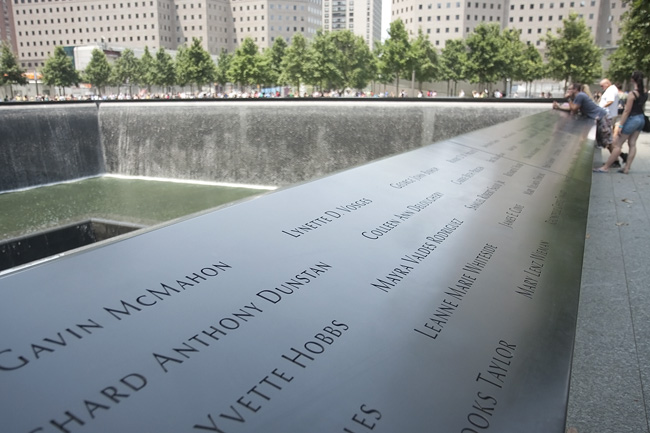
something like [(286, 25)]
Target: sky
[(385, 18)]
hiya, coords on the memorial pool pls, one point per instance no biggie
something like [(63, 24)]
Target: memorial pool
[(135, 201)]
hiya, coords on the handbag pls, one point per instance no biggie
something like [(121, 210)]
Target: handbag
[(646, 125)]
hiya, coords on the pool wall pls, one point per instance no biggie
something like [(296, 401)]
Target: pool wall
[(268, 142)]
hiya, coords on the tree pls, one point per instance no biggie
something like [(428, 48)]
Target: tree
[(163, 74), (182, 67), (146, 74), (295, 68), (383, 76), (201, 68), (98, 71), (633, 52), (425, 59), (341, 60), (59, 71), (511, 60), (573, 55), (273, 60), (354, 62), (10, 72), (485, 56), (223, 66), (453, 63), (620, 65), (245, 65), (396, 58), (532, 66), (322, 52), (126, 70)]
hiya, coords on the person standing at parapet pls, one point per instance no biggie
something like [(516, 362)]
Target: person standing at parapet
[(580, 101), (630, 126), (609, 101)]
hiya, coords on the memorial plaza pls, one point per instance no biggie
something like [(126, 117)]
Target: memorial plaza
[(610, 378), (610, 373)]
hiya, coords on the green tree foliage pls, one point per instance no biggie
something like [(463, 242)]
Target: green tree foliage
[(163, 73), (511, 60), (573, 55), (181, 66), (633, 53), (620, 66), (453, 63), (322, 53), (396, 60), (245, 67), (59, 71), (295, 65), (273, 60), (532, 66), (223, 66), (201, 68), (485, 55), (98, 71), (10, 72), (146, 75), (342, 60), (381, 76), (126, 70), (354, 61), (425, 59)]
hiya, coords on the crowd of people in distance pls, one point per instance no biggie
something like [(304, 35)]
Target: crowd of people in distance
[(255, 94), (216, 95), (619, 118)]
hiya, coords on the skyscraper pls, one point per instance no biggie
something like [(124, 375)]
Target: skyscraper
[(42, 25), (444, 20), (363, 18), (6, 24)]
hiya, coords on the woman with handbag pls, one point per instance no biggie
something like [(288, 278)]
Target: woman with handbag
[(630, 126)]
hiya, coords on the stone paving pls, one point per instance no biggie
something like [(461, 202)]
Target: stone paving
[(610, 379)]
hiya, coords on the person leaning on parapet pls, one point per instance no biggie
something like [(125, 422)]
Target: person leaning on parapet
[(580, 101), (630, 126)]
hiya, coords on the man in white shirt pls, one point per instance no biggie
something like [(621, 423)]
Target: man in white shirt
[(609, 101)]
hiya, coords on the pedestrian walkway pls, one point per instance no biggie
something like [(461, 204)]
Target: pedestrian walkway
[(610, 378)]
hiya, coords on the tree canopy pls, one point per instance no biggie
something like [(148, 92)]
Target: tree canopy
[(341, 60), (633, 51), (162, 71), (59, 71), (246, 65), (10, 72), (485, 57), (453, 62), (126, 69), (295, 65), (201, 68), (425, 59), (396, 59), (98, 71), (572, 54)]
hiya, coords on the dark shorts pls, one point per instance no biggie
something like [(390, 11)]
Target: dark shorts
[(604, 132)]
